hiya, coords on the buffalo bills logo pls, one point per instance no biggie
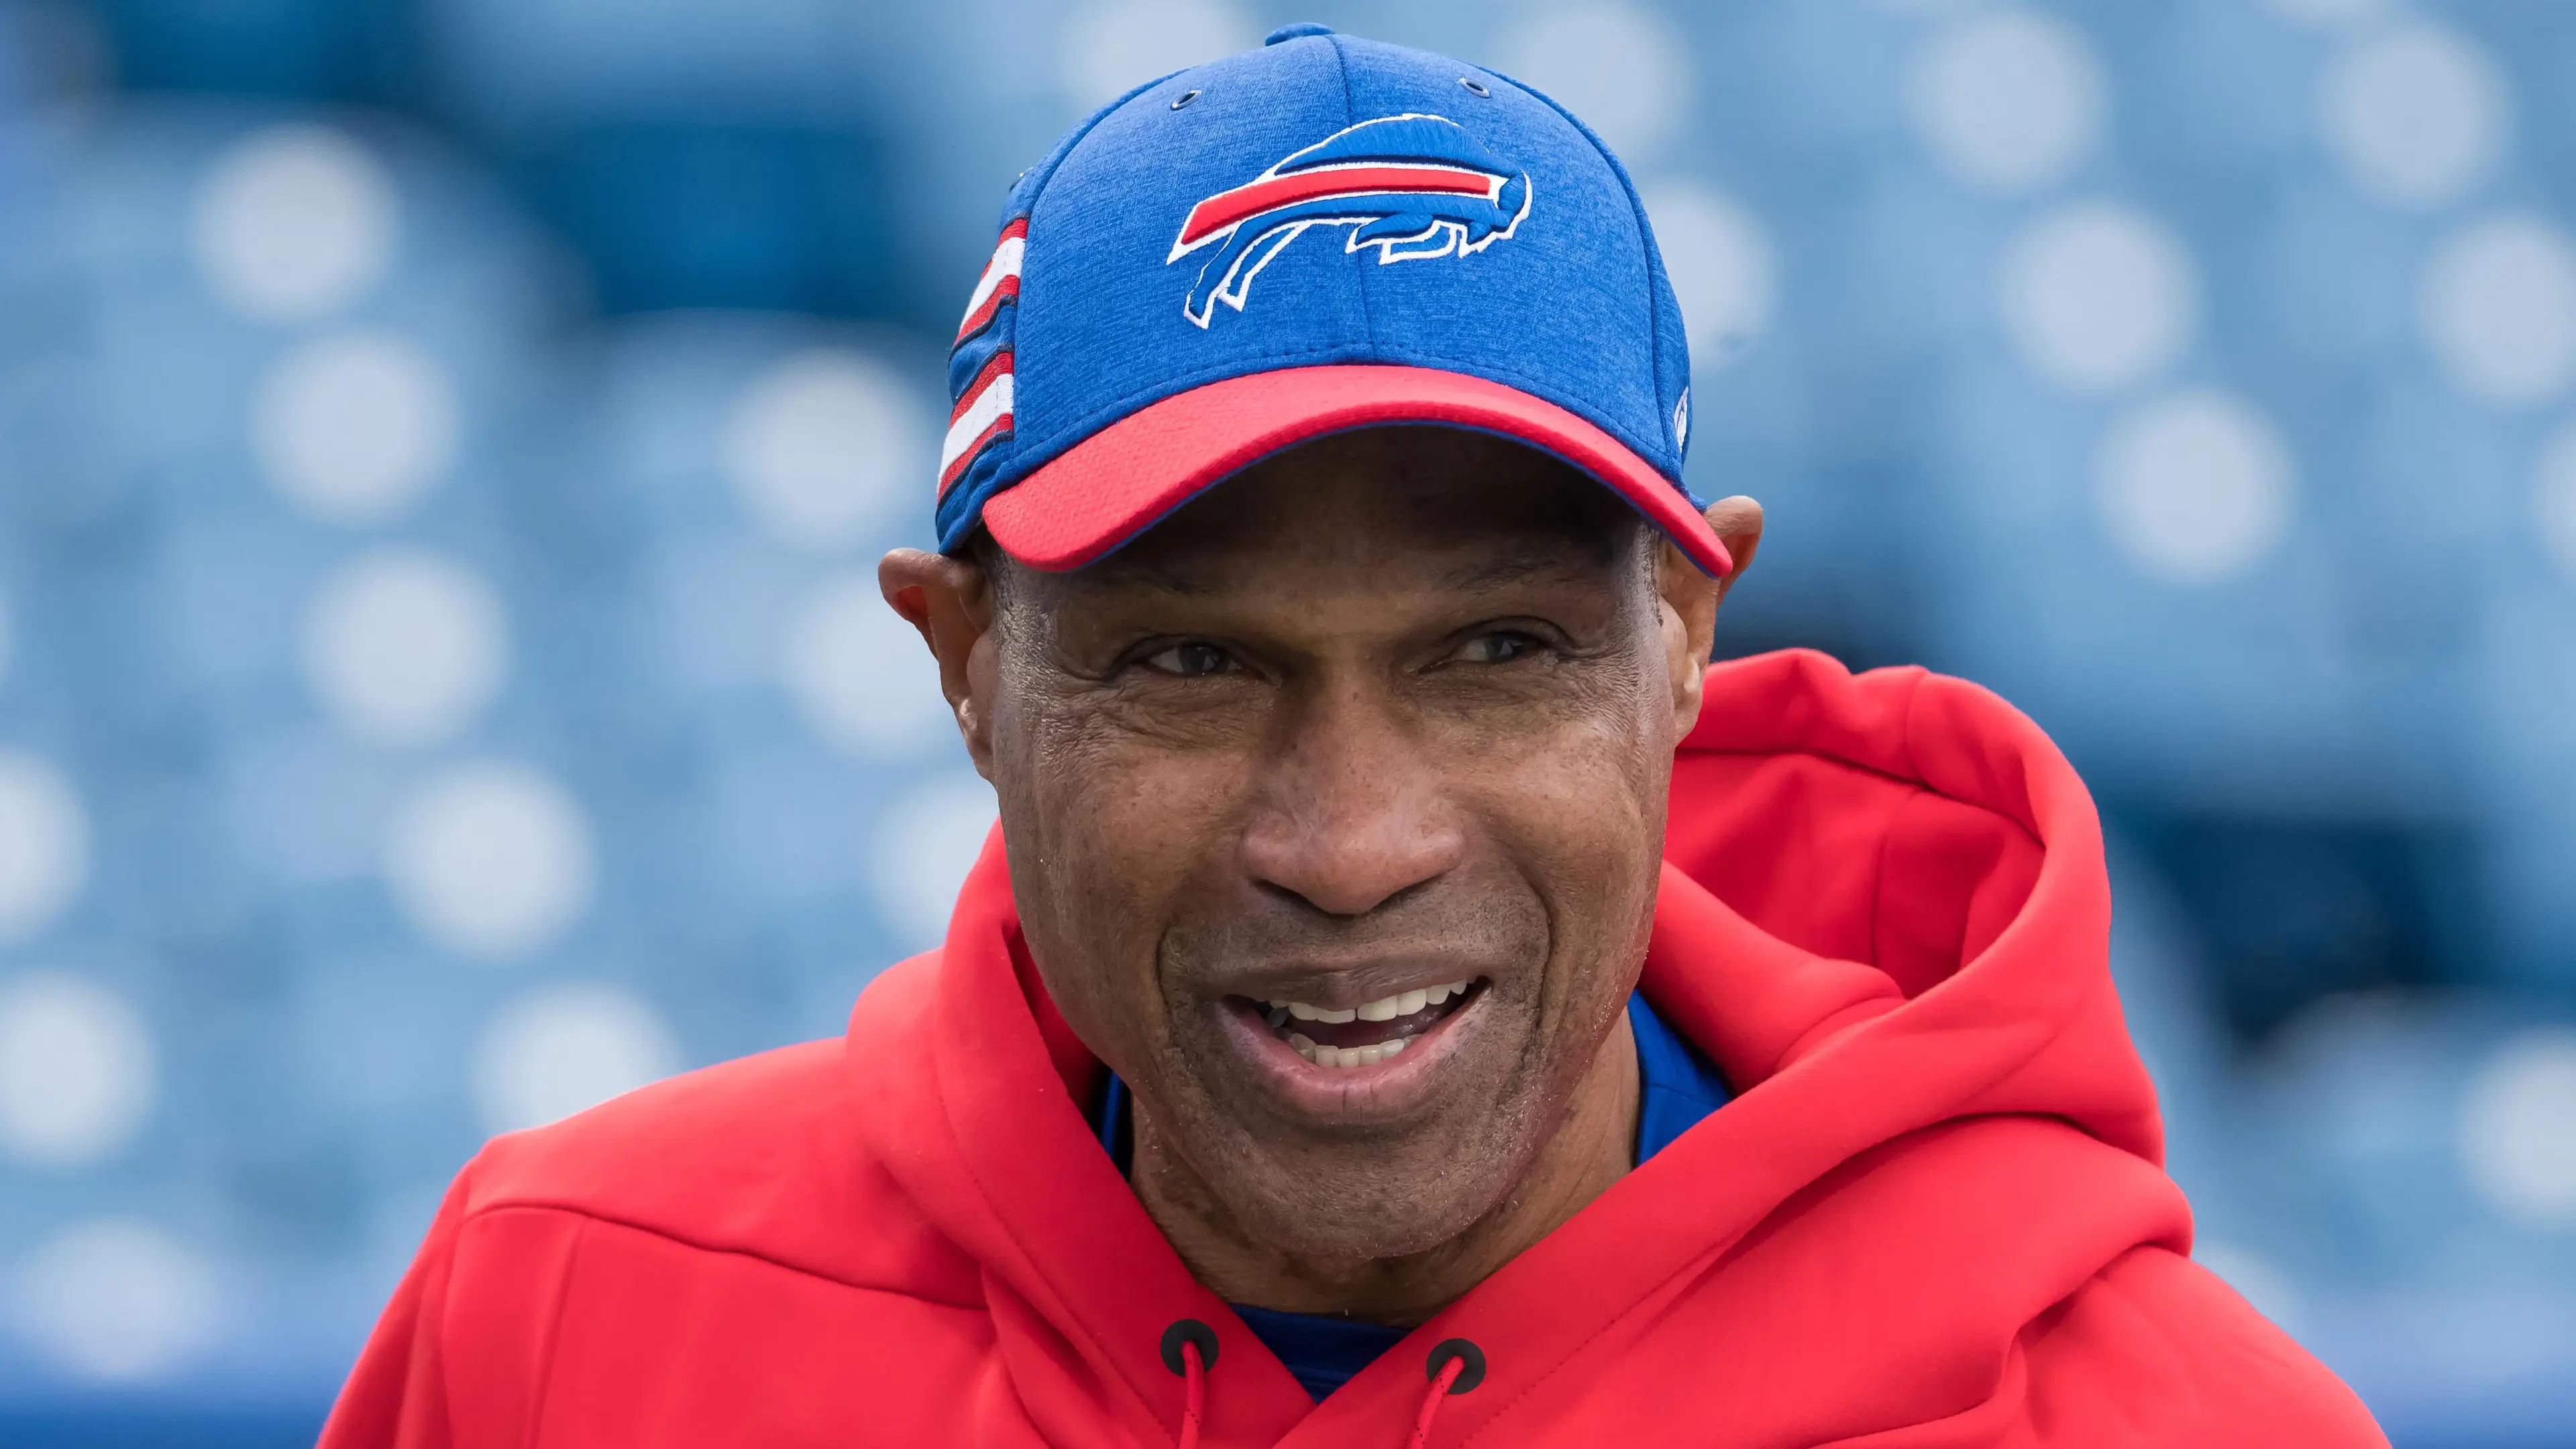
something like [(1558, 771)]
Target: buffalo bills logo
[(1412, 186)]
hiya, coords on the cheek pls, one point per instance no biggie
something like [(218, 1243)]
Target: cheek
[(1587, 792), (1110, 839), (1124, 810), (1582, 813)]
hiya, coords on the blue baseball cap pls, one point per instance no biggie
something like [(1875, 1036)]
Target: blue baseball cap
[(1324, 234)]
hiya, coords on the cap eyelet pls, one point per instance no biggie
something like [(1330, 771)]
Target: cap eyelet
[(1184, 98), (1474, 87)]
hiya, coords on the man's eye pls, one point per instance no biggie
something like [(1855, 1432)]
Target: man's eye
[(1189, 661), (1501, 647)]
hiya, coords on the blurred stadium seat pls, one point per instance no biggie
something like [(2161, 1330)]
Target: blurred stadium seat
[(444, 447)]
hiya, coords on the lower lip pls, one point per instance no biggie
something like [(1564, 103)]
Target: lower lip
[(1383, 1091)]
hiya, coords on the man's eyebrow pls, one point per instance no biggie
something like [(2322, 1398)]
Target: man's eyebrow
[(1123, 572), (1519, 566)]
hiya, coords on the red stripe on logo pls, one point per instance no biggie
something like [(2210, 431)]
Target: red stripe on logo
[(1253, 198)]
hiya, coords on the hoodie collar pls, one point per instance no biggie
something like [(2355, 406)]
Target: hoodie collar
[(977, 1107)]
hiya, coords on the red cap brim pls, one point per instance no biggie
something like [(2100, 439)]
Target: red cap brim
[(1121, 480)]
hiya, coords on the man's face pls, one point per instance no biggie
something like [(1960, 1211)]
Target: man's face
[(1334, 806)]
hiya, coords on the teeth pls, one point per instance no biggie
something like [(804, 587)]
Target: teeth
[(1332, 1056), (1385, 1008)]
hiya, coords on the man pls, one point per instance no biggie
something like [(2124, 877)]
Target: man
[(1410, 997)]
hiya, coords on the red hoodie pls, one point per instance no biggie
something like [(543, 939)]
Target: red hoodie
[(1933, 1215)]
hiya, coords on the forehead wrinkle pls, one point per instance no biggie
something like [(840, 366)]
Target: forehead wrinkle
[(1127, 571), (1524, 564), (1527, 563), (1553, 558)]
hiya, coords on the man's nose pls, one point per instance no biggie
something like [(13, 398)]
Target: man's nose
[(1351, 814)]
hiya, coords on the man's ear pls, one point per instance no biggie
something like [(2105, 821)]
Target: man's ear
[(1690, 600), (951, 602)]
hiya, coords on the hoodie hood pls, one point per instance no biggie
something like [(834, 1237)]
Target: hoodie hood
[(1884, 916), (1932, 1217)]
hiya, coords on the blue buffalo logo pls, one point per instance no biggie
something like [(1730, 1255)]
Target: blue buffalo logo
[(1412, 186)]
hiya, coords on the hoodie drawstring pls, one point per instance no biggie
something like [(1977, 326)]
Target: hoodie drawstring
[(1455, 1366), (1189, 1350)]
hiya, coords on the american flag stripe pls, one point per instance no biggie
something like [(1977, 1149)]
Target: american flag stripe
[(983, 413), (1000, 282), (966, 439), (997, 365)]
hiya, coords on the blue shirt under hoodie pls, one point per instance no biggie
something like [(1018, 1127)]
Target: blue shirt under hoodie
[(1676, 1087)]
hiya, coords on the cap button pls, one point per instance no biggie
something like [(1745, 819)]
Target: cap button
[(1298, 31)]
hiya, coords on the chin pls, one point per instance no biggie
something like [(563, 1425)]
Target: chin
[(1340, 1166), (1383, 1195), (1356, 1220)]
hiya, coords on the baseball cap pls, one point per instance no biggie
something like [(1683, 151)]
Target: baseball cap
[(1324, 234)]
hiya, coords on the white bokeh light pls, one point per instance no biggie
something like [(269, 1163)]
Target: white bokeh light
[(825, 444), (566, 1048), (491, 861), (44, 845), (2416, 116), (2498, 307), (921, 849), (859, 675), (2008, 100), (2195, 488), (1112, 46), (353, 428), (116, 1301), (404, 647), (294, 223), (2553, 500), (2097, 296), (76, 1070), (1623, 69), (1722, 267), (2518, 1129)]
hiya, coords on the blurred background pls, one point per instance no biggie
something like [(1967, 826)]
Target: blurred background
[(444, 445)]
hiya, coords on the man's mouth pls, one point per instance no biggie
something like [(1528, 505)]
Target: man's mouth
[(1366, 1034)]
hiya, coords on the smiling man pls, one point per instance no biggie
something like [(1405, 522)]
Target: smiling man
[(1411, 997)]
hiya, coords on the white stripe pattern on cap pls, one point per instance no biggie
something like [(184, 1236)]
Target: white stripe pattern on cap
[(1005, 266), (975, 414)]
